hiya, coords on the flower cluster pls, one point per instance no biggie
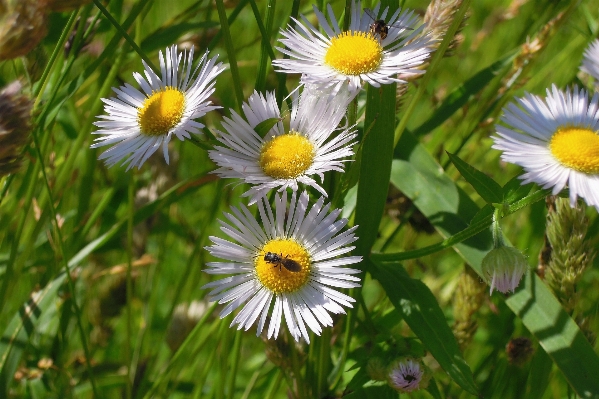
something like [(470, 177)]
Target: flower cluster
[(292, 262)]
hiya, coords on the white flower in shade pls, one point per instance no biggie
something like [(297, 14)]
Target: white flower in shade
[(555, 140), (363, 53), (407, 375), (291, 264), (312, 145), (590, 60), (139, 123), (503, 268)]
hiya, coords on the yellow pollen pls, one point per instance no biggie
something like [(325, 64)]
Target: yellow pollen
[(274, 275), (161, 112), (354, 53), (287, 156), (576, 148)]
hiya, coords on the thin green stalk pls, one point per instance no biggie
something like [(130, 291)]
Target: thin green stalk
[(14, 249), (324, 362), (274, 385), (282, 77), (62, 255), (232, 17), (126, 36), (222, 15), (296, 368), (183, 350), (267, 51), (129, 283), (234, 364), (201, 380), (435, 60), (58, 49), (337, 372), (250, 385), (470, 231)]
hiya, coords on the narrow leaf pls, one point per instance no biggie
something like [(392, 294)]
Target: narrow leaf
[(486, 187), (420, 309)]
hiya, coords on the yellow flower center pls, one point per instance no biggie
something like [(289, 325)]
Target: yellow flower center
[(287, 156), (354, 53), (576, 148), (161, 112), (275, 274)]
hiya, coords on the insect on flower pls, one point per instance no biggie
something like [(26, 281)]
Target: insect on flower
[(278, 260), (380, 27)]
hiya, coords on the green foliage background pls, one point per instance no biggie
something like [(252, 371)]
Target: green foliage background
[(103, 331)]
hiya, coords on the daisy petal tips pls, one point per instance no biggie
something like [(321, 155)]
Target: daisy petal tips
[(138, 123), (590, 61), (290, 264), (281, 159), (367, 52), (556, 140)]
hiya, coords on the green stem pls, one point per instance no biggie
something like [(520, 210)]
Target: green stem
[(129, 283), (58, 49), (435, 61), (126, 36), (234, 365), (222, 15), (62, 255)]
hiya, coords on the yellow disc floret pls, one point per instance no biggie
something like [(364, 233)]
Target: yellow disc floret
[(576, 148), (274, 275), (354, 53), (287, 156), (161, 112)]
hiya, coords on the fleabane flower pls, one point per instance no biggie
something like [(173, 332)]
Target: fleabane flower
[(313, 143), (407, 375), (291, 263), (367, 52), (555, 139), (139, 123), (590, 60)]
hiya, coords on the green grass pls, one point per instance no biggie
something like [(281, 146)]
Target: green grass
[(133, 242)]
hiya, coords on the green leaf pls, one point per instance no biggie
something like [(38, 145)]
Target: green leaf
[(264, 127), (462, 94), (538, 379), (419, 308), (167, 35), (21, 327), (375, 165), (486, 187), (558, 334), (372, 392)]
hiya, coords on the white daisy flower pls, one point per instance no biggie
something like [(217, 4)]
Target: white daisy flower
[(139, 123), (555, 140), (590, 61), (374, 49), (291, 264), (283, 158)]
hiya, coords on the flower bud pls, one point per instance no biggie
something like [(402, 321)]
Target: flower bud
[(15, 127), (22, 26), (503, 268), (407, 374)]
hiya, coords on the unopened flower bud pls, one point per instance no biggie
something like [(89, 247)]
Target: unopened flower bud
[(503, 267), (22, 26)]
